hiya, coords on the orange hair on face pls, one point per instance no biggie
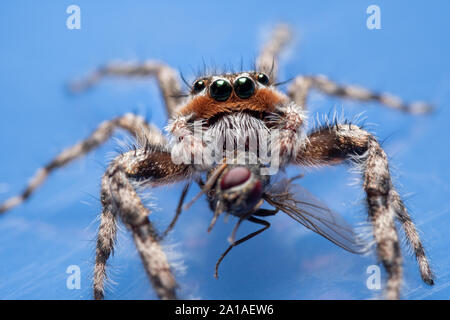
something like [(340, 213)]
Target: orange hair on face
[(205, 107)]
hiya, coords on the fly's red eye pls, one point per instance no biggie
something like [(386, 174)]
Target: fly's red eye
[(255, 194), (234, 177)]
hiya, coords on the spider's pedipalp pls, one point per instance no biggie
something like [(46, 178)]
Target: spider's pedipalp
[(333, 145), (167, 78), (134, 124), (290, 120), (300, 87)]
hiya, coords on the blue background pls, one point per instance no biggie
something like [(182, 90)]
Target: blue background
[(57, 227)]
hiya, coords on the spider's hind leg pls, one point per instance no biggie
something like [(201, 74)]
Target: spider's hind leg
[(300, 87), (267, 60)]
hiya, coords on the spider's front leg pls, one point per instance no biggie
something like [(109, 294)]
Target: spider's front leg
[(334, 144), (151, 165)]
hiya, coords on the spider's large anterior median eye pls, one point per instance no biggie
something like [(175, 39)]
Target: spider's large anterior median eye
[(244, 87), (199, 85), (220, 90), (262, 78)]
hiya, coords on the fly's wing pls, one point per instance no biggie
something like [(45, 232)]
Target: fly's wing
[(303, 207)]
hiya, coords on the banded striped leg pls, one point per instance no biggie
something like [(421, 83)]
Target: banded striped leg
[(300, 87), (119, 199), (166, 76), (134, 124), (334, 144), (267, 61), (413, 239)]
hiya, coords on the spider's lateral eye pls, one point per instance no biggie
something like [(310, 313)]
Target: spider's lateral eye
[(199, 85), (262, 78), (220, 90), (244, 87)]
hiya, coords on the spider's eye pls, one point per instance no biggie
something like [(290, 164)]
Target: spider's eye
[(220, 90), (199, 85), (244, 87), (262, 78)]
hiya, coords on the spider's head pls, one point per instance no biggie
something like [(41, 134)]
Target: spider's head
[(214, 96), (239, 189), (235, 112)]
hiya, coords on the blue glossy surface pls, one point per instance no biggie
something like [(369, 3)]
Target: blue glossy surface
[(56, 228)]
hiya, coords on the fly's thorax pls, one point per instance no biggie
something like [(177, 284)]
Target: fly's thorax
[(239, 189)]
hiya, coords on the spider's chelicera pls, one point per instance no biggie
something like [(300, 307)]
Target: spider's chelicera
[(231, 134)]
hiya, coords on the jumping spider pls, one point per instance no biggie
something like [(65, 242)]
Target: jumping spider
[(228, 106)]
